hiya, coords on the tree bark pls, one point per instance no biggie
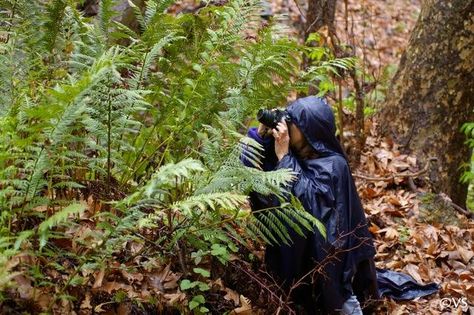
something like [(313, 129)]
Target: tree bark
[(320, 13), (432, 93)]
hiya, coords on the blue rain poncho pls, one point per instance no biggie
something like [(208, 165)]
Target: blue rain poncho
[(326, 189)]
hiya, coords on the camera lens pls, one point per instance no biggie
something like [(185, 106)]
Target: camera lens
[(267, 117)]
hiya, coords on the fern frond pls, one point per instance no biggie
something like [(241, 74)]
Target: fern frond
[(151, 56), (106, 13), (56, 219), (138, 15), (53, 25), (170, 175), (211, 201), (286, 216), (263, 231), (273, 223), (301, 211), (61, 216)]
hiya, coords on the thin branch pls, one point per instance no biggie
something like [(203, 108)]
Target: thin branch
[(301, 11)]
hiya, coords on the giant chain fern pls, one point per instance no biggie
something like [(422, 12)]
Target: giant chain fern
[(156, 114)]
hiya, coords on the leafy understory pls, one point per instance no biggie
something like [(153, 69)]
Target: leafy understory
[(120, 172)]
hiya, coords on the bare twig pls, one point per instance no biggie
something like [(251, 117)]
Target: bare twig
[(303, 16), (455, 206), (269, 289), (318, 269)]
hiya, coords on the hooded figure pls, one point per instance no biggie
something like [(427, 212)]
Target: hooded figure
[(326, 189)]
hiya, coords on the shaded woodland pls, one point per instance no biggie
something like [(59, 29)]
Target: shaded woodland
[(122, 124)]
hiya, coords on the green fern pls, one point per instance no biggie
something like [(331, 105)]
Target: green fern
[(53, 25), (171, 175), (213, 201), (56, 219), (156, 115), (106, 14)]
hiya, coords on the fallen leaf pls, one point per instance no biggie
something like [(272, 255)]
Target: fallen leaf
[(41, 208), (394, 201), (465, 254), (413, 271), (132, 276), (99, 278), (232, 296), (390, 233), (245, 308), (218, 282), (86, 303), (99, 309), (374, 228), (174, 297), (42, 297), (24, 287), (165, 279)]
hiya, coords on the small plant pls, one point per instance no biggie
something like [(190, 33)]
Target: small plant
[(468, 175)]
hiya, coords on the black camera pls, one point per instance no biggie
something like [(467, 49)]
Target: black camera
[(271, 118)]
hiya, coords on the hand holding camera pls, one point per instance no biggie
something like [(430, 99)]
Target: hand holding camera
[(274, 122), (282, 139)]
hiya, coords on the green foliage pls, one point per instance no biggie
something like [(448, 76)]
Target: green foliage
[(56, 219), (468, 175), (381, 85), (323, 66), (95, 110)]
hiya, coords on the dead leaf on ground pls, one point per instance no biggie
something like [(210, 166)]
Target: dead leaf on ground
[(244, 309), (232, 295), (24, 287), (86, 303), (99, 277), (413, 271), (173, 298)]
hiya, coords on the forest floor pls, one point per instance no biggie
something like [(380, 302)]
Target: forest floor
[(416, 233)]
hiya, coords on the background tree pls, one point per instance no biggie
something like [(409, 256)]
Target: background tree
[(320, 18), (432, 92), (319, 14)]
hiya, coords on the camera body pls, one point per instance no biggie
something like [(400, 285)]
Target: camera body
[(271, 118)]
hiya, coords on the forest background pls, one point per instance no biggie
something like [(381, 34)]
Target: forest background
[(122, 124)]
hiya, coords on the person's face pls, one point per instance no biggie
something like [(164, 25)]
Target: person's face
[(297, 139)]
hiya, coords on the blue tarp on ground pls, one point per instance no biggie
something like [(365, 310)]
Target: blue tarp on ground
[(400, 286)]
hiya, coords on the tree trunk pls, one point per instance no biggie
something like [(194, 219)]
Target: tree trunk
[(320, 13), (432, 93)]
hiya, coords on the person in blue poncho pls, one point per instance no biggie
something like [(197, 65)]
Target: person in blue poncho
[(324, 185)]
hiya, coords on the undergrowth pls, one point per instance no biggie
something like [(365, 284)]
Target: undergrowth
[(120, 148)]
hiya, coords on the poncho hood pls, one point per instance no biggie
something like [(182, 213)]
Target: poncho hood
[(313, 116)]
